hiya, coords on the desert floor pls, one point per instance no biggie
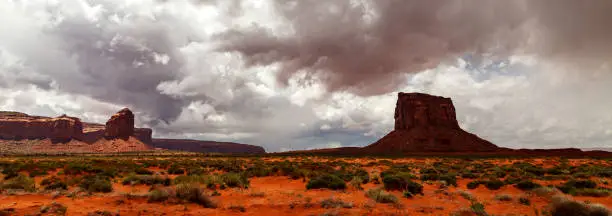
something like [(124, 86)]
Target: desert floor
[(283, 191)]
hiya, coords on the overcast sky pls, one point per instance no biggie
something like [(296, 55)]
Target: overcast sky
[(311, 74)]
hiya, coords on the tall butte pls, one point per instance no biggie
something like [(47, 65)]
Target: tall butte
[(427, 123)]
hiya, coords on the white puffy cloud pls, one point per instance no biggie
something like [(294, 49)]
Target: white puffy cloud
[(161, 59)]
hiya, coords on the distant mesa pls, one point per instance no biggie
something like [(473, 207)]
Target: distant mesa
[(22, 133)]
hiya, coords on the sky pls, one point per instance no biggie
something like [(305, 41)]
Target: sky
[(288, 75)]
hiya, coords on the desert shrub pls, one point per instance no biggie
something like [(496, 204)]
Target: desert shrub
[(503, 197), (193, 193), (478, 208), (591, 192), (571, 186), (10, 172), (467, 195), (237, 208), (175, 170), (335, 203), (375, 180), (469, 175), (356, 182), (53, 209), (512, 180), (407, 194), (158, 195), (195, 171), (326, 181), (450, 178), (38, 172), (96, 183), (474, 184), (53, 183), (21, 182), (527, 185), (363, 175), (563, 207), (494, 184), (525, 201), (557, 171), (381, 196), (146, 180), (142, 171), (402, 181), (258, 171), (233, 180)]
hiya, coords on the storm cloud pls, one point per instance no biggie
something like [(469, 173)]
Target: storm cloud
[(367, 46)]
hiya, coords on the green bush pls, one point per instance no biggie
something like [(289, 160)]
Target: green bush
[(591, 192), (380, 196), (143, 171), (494, 184), (402, 181), (474, 184), (96, 183), (233, 180), (527, 185), (478, 209), (175, 170), (571, 186), (326, 181), (503, 197), (335, 203), (158, 195), (53, 183), (146, 180), (21, 182), (193, 193)]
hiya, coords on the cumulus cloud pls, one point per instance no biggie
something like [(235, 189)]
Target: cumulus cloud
[(210, 69)]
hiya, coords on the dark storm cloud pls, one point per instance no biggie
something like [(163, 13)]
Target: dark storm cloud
[(366, 47)]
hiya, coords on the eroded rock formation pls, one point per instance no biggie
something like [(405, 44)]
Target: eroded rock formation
[(427, 123), (17, 126), (22, 133), (120, 125)]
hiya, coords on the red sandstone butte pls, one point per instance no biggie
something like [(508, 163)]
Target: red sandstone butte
[(18, 126), (120, 125), (427, 123)]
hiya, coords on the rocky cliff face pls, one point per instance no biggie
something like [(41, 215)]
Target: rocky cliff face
[(120, 125), (207, 146), (427, 123), (415, 110), (17, 126)]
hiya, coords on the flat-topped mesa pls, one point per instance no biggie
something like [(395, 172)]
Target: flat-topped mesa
[(423, 110), (17, 126), (120, 125)]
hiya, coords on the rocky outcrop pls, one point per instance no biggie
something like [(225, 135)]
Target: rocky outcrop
[(117, 135), (417, 110), (120, 125), (427, 123), (207, 146), (17, 126), (145, 135)]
